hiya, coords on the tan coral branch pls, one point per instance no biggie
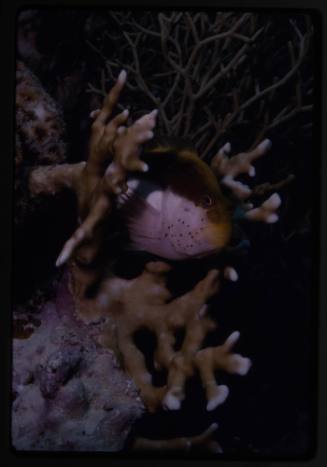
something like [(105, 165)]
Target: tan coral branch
[(114, 150), (50, 180), (186, 443), (143, 303)]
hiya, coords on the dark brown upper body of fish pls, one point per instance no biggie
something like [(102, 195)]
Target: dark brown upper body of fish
[(187, 214)]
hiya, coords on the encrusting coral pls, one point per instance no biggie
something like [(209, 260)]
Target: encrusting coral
[(145, 302), (40, 133), (69, 394), (38, 121)]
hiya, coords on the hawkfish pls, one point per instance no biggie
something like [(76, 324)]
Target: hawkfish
[(177, 209)]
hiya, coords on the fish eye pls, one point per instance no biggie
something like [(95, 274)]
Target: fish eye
[(207, 201)]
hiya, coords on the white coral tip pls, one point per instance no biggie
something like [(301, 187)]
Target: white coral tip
[(95, 113), (216, 448), (273, 202), (251, 171), (231, 274), (213, 427), (232, 339), (62, 258), (265, 145), (276, 199), (224, 150), (241, 365), (227, 148), (145, 167), (272, 218), (202, 310), (120, 130), (171, 402), (122, 76), (219, 398)]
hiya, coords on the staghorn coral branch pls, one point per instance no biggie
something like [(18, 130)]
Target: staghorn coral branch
[(50, 180), (99, 183), (203, 440), (230, 168), (143, 302), (264, 188), (265, 212), (211, 358)]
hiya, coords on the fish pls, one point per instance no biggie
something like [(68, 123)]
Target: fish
[(177, 209)]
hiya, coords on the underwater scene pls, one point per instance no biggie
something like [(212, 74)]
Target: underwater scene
[(166, 219)]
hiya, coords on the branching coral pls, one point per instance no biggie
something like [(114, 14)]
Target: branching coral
[(95, 183), (220, 58), (117, 151), (230, 168), (143, 302)]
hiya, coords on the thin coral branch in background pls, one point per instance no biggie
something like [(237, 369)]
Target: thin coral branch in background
[(204, 62)]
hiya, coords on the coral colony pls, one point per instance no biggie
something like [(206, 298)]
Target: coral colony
[(177, 223), (173, 206), (161, 219)]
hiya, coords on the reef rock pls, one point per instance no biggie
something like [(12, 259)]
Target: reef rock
[(69, 392), (40, 136)]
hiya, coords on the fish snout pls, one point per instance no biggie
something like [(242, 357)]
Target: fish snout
[(219, 234)]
